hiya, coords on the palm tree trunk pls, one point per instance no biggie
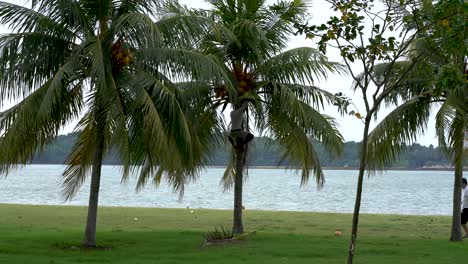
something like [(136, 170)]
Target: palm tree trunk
[(90, 231), (456, 232), (459, 133), (357, 203), (238, 227)]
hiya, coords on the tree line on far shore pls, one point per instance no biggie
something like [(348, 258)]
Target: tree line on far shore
[(263, 153)]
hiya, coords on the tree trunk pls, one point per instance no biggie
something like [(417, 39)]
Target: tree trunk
[(357, 204), (90, 232), (456, 232), (238, 227), (459, 145)]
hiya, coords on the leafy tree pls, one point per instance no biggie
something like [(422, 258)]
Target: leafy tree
[(272, 88), (107, 63), (369, 44)]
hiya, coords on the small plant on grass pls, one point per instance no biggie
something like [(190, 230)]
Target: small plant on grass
[(219, 234)]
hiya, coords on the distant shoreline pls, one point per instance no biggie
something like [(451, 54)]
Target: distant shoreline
[(324, 168), (347, 168)]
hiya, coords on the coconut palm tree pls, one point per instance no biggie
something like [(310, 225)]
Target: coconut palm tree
[(109, 64), (409, 119), (273, 92), (439, 79)]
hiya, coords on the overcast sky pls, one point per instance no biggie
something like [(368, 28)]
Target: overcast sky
[(349, 126)]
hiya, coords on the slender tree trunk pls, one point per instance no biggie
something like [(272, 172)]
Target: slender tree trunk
[(357, 204), (459, 133), (90, 232), (238, 227), (456, 232)]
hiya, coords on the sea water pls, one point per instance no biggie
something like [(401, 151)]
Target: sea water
[(392, 192)]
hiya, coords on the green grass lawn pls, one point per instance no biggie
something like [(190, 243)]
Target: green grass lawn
[(49, 234)]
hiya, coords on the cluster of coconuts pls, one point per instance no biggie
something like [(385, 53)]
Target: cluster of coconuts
[(121, 56), (220, 92), (245, 82)]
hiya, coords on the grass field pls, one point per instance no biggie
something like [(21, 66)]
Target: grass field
[(52, 234)]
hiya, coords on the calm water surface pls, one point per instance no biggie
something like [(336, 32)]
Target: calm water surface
[(400, 192)]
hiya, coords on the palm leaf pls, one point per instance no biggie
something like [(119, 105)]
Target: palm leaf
[(80, 159), (300, 65), (295, 146), (27, 130), (181, 65), (400, 127), (22, 68)]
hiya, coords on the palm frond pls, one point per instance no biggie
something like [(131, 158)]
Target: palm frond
[(97, 62), (294, 124), (312, 95), (296, 147), (164, 98), (182, 65), (399, 128), (227, 181), (407, 80), (300, 65), (185, 27), (27, 61), (98, 11), (314, 124), (452, 126), (148, 171), (119, 138), (23, 19), (80, 159), (279, 21), (444, 118), (36, 121), (149, 7), (204, 131), (69, 14), (137, 29), (154, 139), (147, 127)]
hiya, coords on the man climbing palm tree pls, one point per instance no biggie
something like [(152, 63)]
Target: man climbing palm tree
[(238, 136), (272, 88)]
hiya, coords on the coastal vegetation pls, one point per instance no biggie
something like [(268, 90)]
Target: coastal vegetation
[(263, 153), (149, 81)]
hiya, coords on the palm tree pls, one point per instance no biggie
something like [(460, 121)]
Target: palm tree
[(437, 80), (273, 92), (409, 119), (107, 63)]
